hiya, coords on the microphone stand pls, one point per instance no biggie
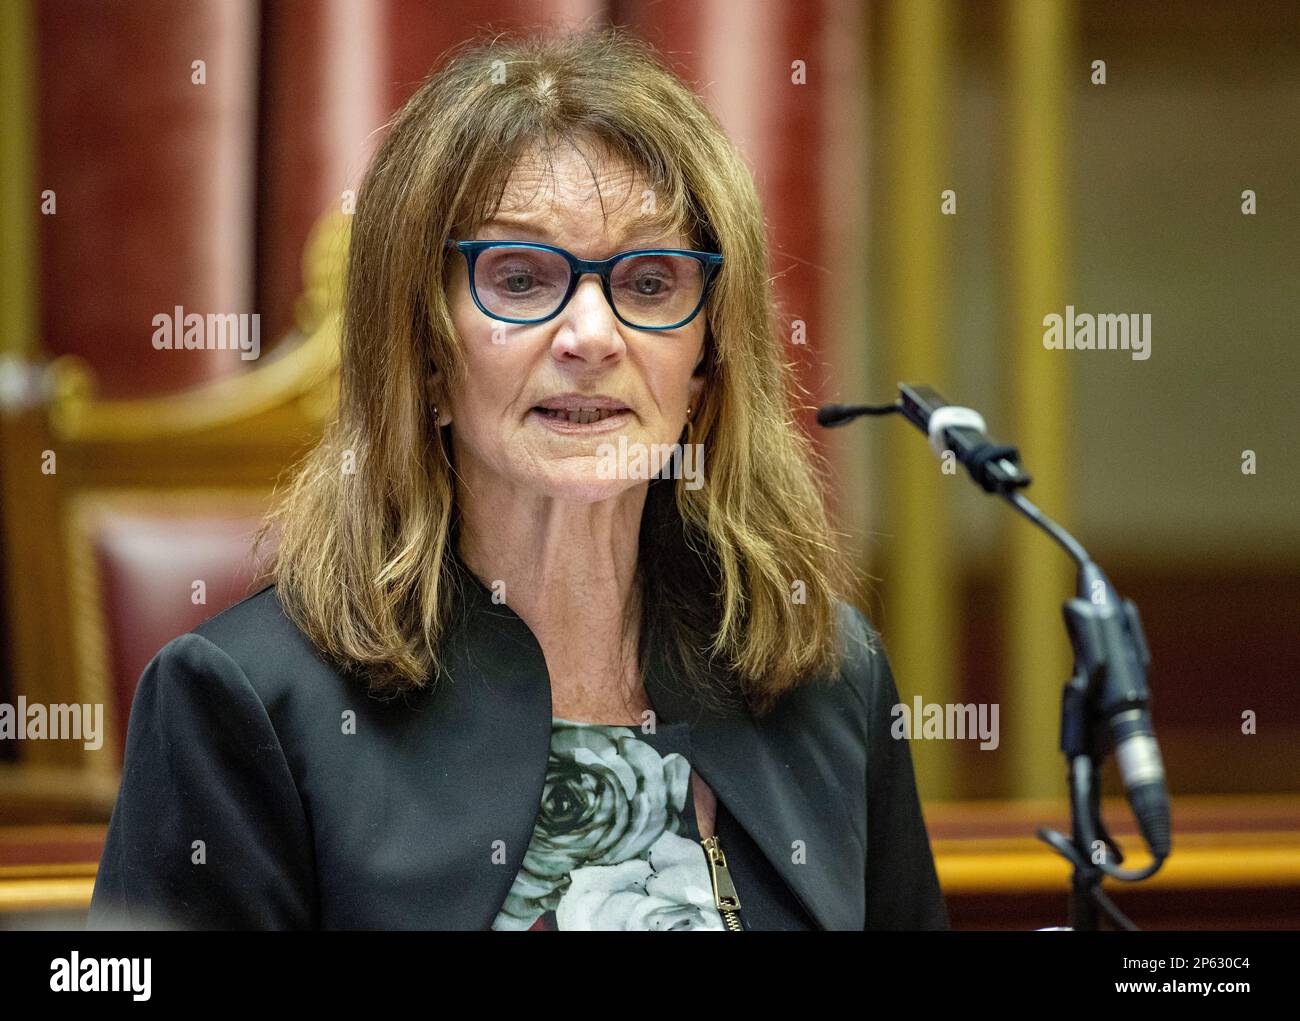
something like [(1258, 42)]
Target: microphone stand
[(1110, 661)]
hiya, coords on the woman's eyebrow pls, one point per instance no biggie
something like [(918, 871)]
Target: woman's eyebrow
[(525, 230), (645, 234), (520, 227)]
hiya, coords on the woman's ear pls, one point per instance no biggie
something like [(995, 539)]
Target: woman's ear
[(695, 387), (438, 399), (698, 375), (705, 346)]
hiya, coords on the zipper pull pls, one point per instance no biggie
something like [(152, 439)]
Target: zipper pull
[(725, 897)]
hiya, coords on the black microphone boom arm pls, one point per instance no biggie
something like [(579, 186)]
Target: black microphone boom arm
[(1105, 704)]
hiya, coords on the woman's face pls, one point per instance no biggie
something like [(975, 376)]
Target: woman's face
[(498, 433)]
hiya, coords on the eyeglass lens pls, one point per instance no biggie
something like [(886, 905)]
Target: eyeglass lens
[(530, 283)]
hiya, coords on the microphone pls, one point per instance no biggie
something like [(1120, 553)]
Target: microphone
[(1109, 646), (950, 427), (831, 415), (1111, 655)]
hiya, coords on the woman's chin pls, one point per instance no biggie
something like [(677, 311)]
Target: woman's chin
[(585, 484)]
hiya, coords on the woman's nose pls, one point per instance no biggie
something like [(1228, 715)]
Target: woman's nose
[(589, 328)]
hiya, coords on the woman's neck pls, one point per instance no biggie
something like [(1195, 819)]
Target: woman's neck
[(569, 570)]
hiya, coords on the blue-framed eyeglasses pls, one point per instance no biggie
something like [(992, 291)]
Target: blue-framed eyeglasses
[(526, 282)]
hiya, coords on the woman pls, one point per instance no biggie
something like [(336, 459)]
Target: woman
[(504, 678)]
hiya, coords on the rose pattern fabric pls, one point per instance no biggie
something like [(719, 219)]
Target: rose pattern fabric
[(659, 892), (613, 846)]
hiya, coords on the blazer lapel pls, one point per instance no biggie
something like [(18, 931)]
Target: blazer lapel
[(782, 790), (493, 740), (773, 779)]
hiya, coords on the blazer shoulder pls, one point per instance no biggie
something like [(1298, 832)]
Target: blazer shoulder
[(204, 758), (255, 613), (858, 680), (269, 648), (863, 663)]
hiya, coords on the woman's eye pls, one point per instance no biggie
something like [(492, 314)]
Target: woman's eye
[(517, 283), (650, 283), (650, 286)]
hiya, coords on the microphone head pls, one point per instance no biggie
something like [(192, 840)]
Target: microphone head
[(831, 415)]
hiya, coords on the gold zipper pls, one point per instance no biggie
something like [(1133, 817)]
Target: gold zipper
[(725, 897)]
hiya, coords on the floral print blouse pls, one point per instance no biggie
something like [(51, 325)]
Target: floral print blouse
[(616, 844)]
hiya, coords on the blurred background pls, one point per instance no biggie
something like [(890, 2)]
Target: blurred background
[(938, 177)]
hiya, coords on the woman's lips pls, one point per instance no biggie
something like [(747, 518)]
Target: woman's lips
[(606, 421)]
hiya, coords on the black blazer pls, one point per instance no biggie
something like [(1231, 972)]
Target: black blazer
[(237, 738)]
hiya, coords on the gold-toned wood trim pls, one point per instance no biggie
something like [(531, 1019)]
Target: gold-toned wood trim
[(71, 870), (34, 555), (1205, 861), (59, 798), (89, 635), (1223, 842), (46, 894), (1218, 861)]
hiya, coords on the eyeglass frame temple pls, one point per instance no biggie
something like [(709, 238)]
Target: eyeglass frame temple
[(578, 268)]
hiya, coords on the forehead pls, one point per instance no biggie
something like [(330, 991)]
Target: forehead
[(582, 199)]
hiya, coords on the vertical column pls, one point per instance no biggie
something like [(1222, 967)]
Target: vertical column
[(418, 32), (18, 329), (1040, 577), (845, 254), (323, 96), (18, 197), (147, 132), (38, 660), (765, 72), (919, 628)]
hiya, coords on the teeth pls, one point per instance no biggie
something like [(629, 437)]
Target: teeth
[(582, 416)]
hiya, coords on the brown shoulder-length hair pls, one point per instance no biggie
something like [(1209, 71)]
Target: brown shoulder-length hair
[(739, 579)]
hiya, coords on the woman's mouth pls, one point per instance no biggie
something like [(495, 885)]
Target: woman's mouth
[(581, 419), (580, 415)]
